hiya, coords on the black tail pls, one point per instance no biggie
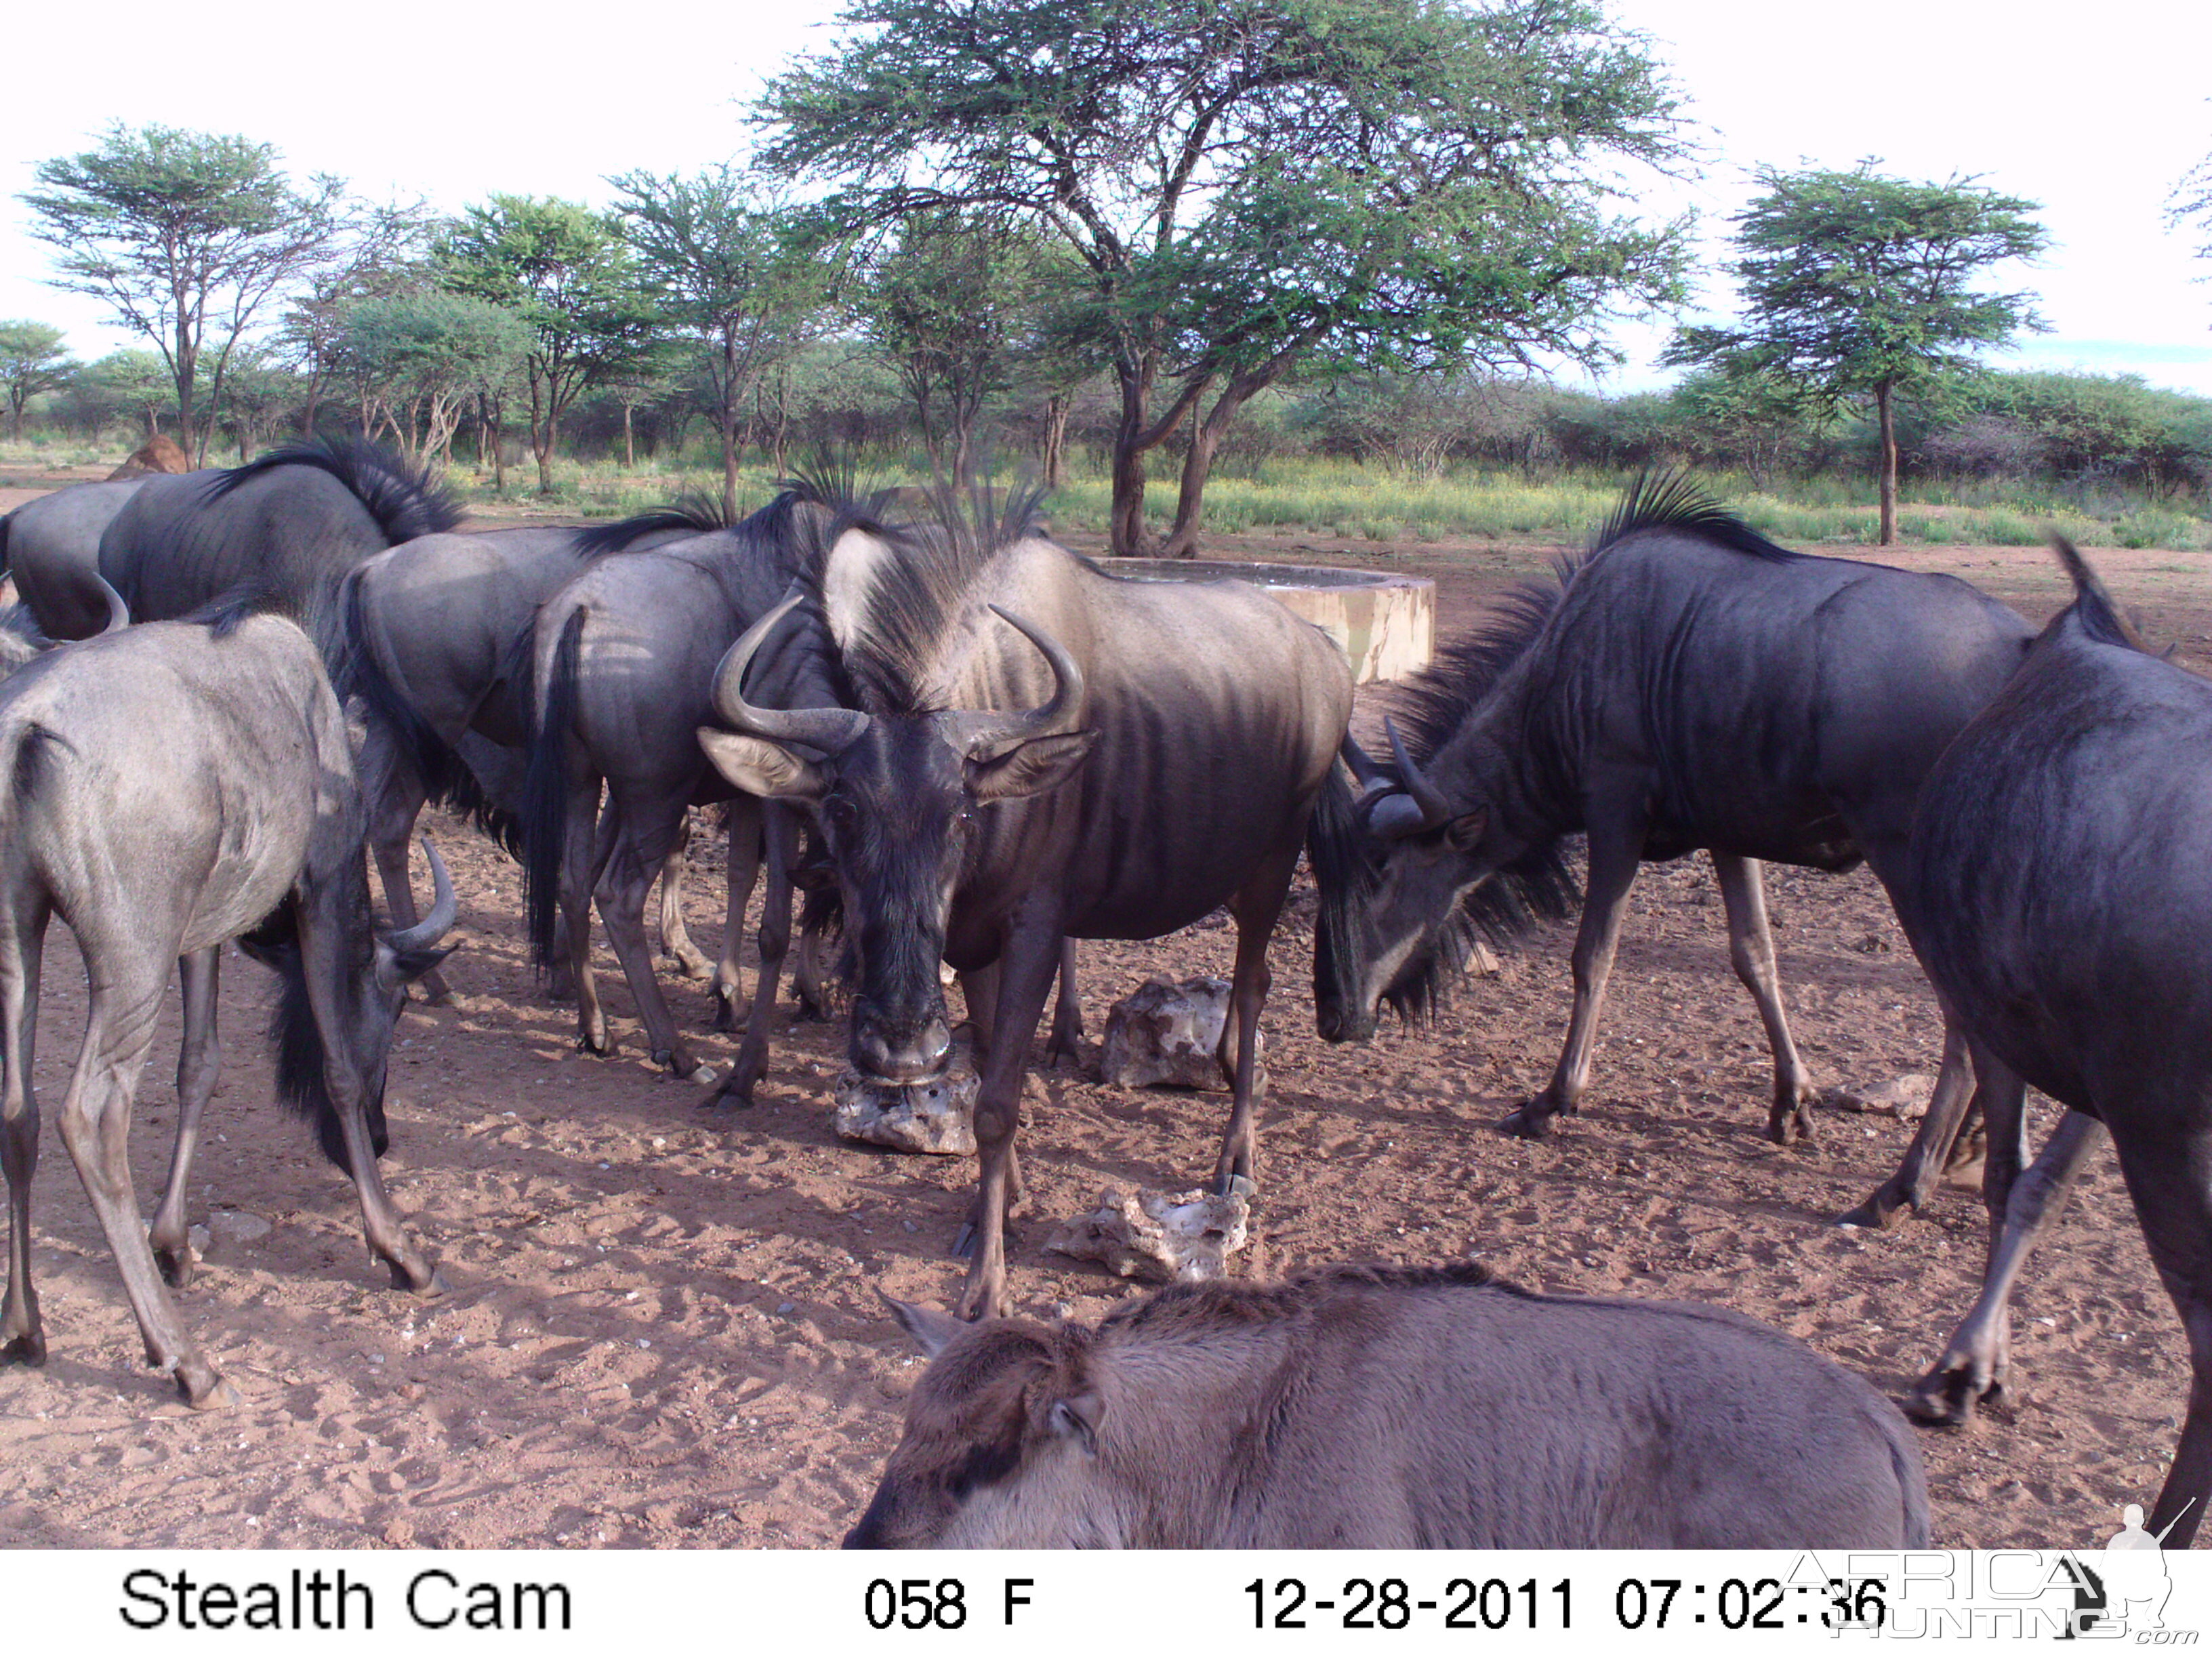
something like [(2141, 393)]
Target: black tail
[(1343, 869), (2101, 618), (446, 776), (546, 791), (296, 1041)]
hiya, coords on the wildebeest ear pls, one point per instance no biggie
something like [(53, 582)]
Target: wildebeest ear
[(930, 1329), (1466, 831), (405, 967), (763, 768), (1077, 1418), (1040, 764)]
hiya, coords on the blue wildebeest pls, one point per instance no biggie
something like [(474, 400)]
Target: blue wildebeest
[(1686, 684), (2056, 892), (51, 547), (1039, 751), (169, 787), (1391, 1408), (432, 629)]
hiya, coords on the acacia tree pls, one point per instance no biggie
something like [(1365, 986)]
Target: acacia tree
[(737, 266), (565, 271), (1249, 183), (33, 359), (1856, 286), (421, 359), (186, 235), (382, 250)]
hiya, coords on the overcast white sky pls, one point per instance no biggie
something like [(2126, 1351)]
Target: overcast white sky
[(2093, 111)]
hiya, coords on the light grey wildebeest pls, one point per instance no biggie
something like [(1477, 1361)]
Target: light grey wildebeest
[(1038, 751), (163, 789), (2058, 892), (51, 547), (1391, 1408), (1686, 684)]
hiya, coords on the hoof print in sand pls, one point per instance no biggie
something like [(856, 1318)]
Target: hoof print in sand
[(937, 1117), (1162, 1236), (1167, 1032)]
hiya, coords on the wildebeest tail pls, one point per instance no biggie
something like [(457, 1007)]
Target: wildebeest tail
[(1344, 873), (2100, 618), (296, 1040), (545, 790)]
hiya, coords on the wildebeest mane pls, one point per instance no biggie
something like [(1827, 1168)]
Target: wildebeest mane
[(1211, 1304), (893, 622), (2099, 616), (697, 514), (224, 616), (405, 501), (1674, 499)]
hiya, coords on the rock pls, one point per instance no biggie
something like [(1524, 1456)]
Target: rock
[(237, 1227), (158, 454), (1903, 1097), (1166, 1032), (1165, 1236), (937, 1118)]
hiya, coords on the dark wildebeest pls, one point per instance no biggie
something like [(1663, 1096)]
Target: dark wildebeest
[(51, 547), (288, 526), (1041, 751), (1391, 1408), (2059, 891), (167, 788), (432, 629), (1686, 684)]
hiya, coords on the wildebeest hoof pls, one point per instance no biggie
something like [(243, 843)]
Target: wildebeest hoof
[(176, 1266), (1527, 1121), (203, 1388), (429, 1288), (1880, 1211), (1948, 1396), (29, 1349), (591, 1045)]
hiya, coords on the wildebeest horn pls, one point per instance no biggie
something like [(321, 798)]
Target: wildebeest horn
[(118, 612), (444, 907), (1422, 806), (983, 734), (1364, 771), (831, 731)]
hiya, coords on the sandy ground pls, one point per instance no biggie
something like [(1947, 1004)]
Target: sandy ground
[(663, 1333)]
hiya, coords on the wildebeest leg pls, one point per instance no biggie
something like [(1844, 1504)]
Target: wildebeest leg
[(1067, 1012), (1616, 847), (2169, 1176), (1255, 907), (119, 1032), (199, 1062), (22, 1336), (1977, 1363), (979, 990), (1751, 953), (675, 937), (1025, 965), (780, 837), (621, 892), (748, 833), (1910, 1187), (393, 806), (585, 851)]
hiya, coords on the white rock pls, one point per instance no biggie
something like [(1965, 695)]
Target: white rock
[(1166, 1237), (238, 1227), (937, 1118), (1166, 1032)]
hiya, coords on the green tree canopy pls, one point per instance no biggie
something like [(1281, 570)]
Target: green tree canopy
[(1857, 286), (567, 273), (33, 358), (186, 235), (737, 266), (1249, 183), (418, 360)]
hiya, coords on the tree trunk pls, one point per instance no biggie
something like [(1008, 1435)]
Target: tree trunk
[(726, 420), (1056, 437), (629, 443), (1888, 423), (1126, 527), (1206, 438)]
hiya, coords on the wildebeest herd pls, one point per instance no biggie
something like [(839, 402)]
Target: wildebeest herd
[(974, 747)]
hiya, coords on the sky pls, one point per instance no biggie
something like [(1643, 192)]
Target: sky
[(2094, 111)]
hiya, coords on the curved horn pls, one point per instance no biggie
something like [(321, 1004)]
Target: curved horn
[(983, 734), (1422, 806), (444, 907), (831, 731), (118, 612), (1365, 770)]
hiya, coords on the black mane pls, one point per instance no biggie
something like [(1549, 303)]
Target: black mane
[(698, 514), (405, 501)]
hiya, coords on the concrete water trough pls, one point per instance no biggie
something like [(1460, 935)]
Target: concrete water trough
[(1385, 625)]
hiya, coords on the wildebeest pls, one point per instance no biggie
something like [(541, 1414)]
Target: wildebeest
[(288, 526), (51, 547), (1686, 684), (2056, 890), (1037, 751), (432, 629), (166, 789), (1391, 1408)]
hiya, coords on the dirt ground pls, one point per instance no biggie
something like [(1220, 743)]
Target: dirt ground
[(664, 1333)]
